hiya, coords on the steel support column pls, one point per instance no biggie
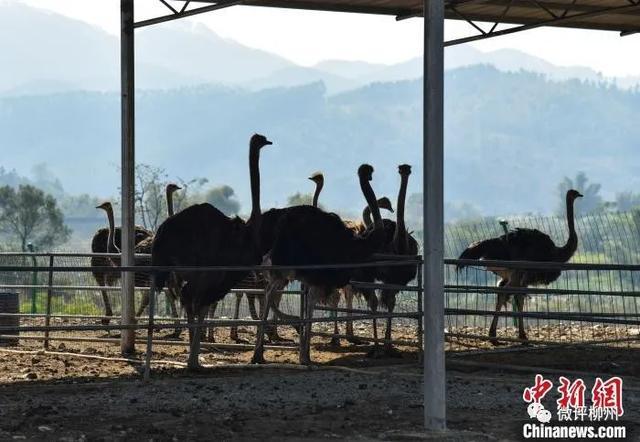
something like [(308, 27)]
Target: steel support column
[(433, 218), (127, 341)]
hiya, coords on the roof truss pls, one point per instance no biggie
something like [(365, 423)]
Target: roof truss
[(486, 18)]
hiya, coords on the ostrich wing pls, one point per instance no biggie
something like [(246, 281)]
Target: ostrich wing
[(530, 245), (493, 249)]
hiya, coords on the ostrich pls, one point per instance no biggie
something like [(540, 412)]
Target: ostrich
[(306, 235), (142, 246), (318, 179), (173, 285), (202, 235), (101, 243), (524, 245), (361, 274), (400, 242)]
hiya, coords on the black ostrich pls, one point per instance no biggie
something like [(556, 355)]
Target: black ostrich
[(108, 240), (100, 243), (399, 242), (306, 235), (524, 245), (360, 274), (202, 235), (144, 247)]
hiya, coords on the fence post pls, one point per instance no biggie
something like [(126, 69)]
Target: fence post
[(152, 311), (47, 319), (420, 314), (34, 279)]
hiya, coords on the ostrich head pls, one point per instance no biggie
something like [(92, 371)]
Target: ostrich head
[(385, 203), (259, 141), (404, 170), (172, 187), (106, 206), (573, 194), (365, 171), (317, 177)]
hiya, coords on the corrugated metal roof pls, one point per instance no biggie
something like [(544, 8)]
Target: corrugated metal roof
[(613, 15)]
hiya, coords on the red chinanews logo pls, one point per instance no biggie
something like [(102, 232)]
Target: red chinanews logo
[(606, 399)]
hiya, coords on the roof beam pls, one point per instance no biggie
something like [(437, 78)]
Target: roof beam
[(219, 5), (553, 22)]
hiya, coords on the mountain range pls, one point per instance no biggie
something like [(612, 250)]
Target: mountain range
[(199, 98), (53, 57)]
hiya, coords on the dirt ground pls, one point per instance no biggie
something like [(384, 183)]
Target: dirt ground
[(73, 393)]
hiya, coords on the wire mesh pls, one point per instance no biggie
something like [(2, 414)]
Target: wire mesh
[(603, 239)]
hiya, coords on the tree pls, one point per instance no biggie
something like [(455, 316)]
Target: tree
[(150, 196), (626, 201), (590, 203), (223, 198), (31, 216)]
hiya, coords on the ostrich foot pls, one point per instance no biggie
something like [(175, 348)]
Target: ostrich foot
[(275, 337), (355, 340), (258, 358), (175, 335), (195, 367), (335, 342), (497, 343), (239, 340), (193, 363)]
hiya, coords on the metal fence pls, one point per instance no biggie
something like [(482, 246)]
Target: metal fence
[(42, 281), (593, 304), (597, 303)]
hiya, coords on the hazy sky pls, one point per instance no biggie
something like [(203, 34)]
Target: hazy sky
[(308, 37)]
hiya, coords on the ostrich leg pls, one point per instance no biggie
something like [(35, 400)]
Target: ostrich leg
[(374, 352), (390, 301), (172, 294), (522, 334), (348, 297), (143, 304), (108, 312), (335, 340), (194, 345), (210, 332), (305, 342), (501, 300), (271, 330), (258, 351)]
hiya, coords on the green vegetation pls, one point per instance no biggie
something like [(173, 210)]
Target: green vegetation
[(28, 215)]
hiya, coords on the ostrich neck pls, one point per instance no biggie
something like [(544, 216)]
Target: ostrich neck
[(366, 216), (316, 194), (566, 252), (400, 234), (254, 172), (372, 203), (170, 202), (111, 240)]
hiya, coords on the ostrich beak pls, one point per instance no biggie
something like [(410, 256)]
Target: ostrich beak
[(268, 143), (580, 195)]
